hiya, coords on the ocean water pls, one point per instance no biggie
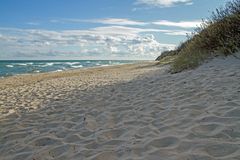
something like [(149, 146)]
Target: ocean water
[(10, 68)]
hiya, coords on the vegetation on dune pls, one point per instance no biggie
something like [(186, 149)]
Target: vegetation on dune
[(166, 60), (219, 34)]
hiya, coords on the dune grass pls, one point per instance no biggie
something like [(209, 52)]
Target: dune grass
[(219, 34), (167, 60)]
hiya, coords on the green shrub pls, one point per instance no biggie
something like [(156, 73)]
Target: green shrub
[(219, 34)]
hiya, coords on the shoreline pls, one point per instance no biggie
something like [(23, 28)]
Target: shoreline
[(83, 65), (74, 69), (20, 81), (69, 72)]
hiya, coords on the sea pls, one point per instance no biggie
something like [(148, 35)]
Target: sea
[(17, 67)]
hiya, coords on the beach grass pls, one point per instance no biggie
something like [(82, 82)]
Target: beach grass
[(167, 60), (218, 35)]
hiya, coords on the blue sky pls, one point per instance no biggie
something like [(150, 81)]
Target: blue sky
[(97, 29)]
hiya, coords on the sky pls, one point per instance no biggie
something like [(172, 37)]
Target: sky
[(97, 29)]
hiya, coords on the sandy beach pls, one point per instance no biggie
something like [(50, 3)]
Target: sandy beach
[(125, 112)]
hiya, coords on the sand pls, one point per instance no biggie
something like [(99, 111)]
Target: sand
[(127, 112)]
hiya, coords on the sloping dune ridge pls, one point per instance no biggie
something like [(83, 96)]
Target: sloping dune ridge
[(128, 112)]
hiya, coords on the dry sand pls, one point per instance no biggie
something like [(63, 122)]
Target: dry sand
[(132, 112)]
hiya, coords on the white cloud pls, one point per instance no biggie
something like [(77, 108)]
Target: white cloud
[(182, 24), (149, 46), (127, 22), (110, 21), (113, 49), (121, 30), (117, 21), (163, 3), (105, 42)]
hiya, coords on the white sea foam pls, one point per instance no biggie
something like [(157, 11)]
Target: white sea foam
[(48, 64), (79, 66), (22, 64), (72, 63), (104, 65), (9, 66), (59, 70)]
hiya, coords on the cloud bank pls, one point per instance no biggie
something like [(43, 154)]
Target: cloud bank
[(116, 38), (101, 42)]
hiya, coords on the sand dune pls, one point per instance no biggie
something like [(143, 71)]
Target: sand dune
[(138, 112)]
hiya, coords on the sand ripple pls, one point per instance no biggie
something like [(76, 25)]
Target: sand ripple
[(193, 115)]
